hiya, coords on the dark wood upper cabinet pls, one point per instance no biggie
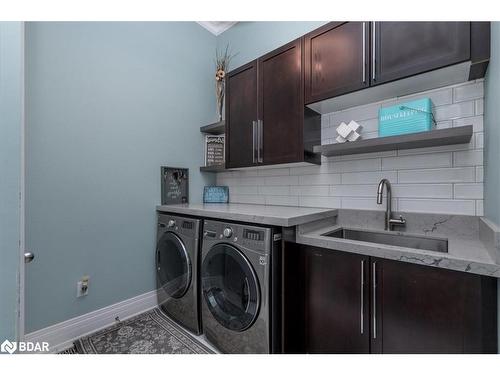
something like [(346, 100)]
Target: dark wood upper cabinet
[(336, 61), (281, 104), (403, 49), (266, 120), (336, 302), (420, 309), (241, 116)]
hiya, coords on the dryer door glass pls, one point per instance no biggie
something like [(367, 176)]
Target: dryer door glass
[(173, 265), (230, 287)]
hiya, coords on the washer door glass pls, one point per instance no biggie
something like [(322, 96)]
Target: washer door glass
[(173, 265), (230, 287)]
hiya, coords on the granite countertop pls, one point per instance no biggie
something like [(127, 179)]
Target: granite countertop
[(283, 216), (466, 251)]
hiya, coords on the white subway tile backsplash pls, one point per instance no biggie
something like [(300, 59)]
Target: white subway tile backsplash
[(479, 107), (282, 200), (423, 190), (439, 206), (480, 208), (353, 190), (454, 111), (319, 179), (325, 202), (470, 91), (437, 175), (475, 121), (360, 165), (310, 190), (417, 161), (367, 204), (469, 191), (274, 190), (468, 158), (441, 179), (479, 140), (367, 177), (281, 180), (479, 174)]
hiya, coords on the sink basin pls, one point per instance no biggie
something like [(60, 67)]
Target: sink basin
[(394, 239)]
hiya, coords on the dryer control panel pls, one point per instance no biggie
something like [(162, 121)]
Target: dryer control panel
[(247, 236)]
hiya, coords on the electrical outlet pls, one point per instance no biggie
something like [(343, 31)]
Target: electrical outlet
[(82, 287)]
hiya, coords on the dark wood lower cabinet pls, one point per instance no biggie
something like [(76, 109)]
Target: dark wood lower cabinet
[(336, 302), (419, 309), (348, 303)]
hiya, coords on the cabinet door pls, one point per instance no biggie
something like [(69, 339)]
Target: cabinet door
[(420, 309), (241, 116), (403, 49), (336, 60), (281, 100), (336, 302)]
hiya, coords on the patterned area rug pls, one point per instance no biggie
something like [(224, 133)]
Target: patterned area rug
[(149, 333)]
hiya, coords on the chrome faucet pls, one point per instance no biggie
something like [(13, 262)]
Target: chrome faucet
[(389, 221)]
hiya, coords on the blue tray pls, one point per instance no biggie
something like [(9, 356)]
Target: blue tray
[(216, 194)]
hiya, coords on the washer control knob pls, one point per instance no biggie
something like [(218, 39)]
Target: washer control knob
[(228, 232), (171, 223)]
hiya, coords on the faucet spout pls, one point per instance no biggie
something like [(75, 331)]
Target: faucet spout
[(388, 211)]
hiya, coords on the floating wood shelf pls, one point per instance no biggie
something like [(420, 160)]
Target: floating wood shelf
[(432, 138), (215, 128), (213, 168)]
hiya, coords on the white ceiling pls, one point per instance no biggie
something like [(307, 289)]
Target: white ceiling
[(217, 27)]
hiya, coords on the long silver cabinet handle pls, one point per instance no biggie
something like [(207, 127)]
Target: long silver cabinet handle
[(362, 323), (254, 141), (374, 297), (364, 52), (260, 125), (374, 50)]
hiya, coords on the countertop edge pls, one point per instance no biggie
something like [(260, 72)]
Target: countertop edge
[(252, 218), (312, 238)]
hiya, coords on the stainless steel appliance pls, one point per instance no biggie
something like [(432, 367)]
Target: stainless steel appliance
[(177, 258), (240, 287)]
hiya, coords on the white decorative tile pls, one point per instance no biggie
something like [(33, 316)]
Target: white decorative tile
[(475, 121), (479, 140), (467, 158), (325, 202), (274, 190), (440, 206), (480, 208), (367, 177), (360, 165), (320, 179), (367, 204), (282, 200), (480, 174), (417, 161), (469, 191), (437, 175), (479, 107), (274, 172), (321, 190), (468, 92), (281, 180), (422, 191), (353, 191), (454, 111)]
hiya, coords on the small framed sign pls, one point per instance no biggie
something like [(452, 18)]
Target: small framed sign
[(214, 150)]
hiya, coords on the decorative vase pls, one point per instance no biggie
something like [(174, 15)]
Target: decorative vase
[(220, 97)]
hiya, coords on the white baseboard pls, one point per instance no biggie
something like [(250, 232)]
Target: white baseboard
[(61, 336)]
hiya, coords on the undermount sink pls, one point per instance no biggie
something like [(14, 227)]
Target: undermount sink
[(394, 239)]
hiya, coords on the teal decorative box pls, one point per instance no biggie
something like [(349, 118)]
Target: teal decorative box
[(410, 117)]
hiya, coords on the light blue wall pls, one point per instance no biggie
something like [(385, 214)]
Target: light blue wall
[(107, 105), (492, 138), (10, 169), (492, 129), (253, 39)]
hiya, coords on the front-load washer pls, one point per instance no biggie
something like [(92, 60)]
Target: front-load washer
[(240, 287), (177, 258)]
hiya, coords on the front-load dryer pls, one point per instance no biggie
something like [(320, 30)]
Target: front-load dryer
[(177, 258), (240, 287)]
